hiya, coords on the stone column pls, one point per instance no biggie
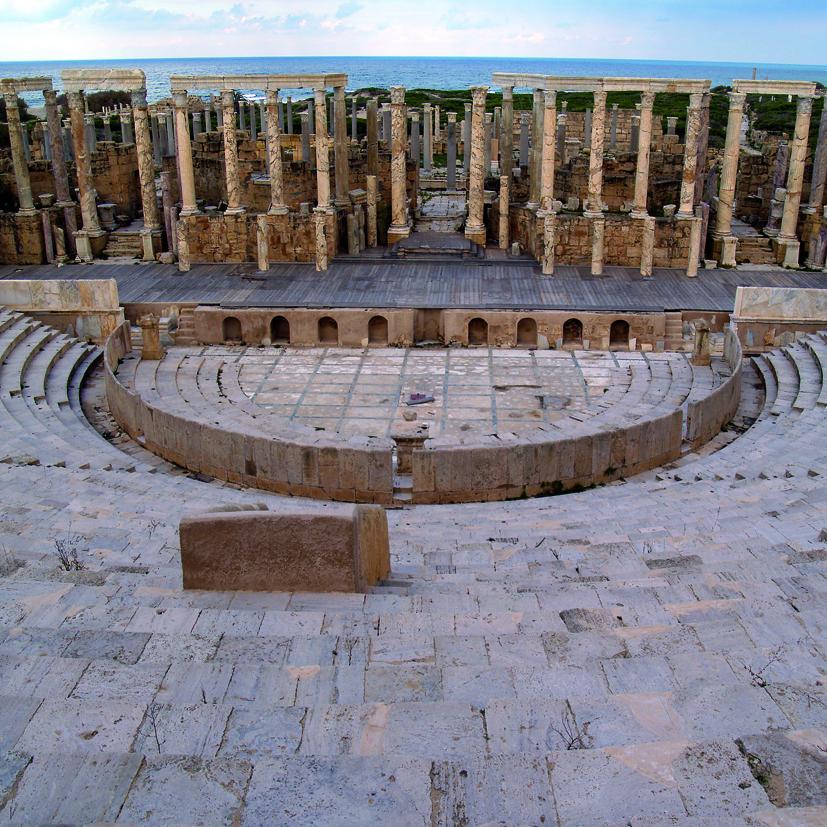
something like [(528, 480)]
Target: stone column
[(399, 228), (146, 174), (127, 132), (231, 153), (354, 124), (561, 136), (598, 236), (594, 202), (437, 131), (386, 124), (819, 164), (196, 124), (311, 113), (208, 115), (373, 137), (487, 125), (262, 244), (634, 133), (451, 138), (613, 127), (535, 155), (694, 246), (186, 180), (690, 156), (277, 205), (466, 139), (507, 132), (320, 213), (549, 240), (795, 181), (701, 350), (524, 126), (305, 136), (505, 182), (18, 155), (242, 120), (253, 121), (427, 144), (548, 152), (647, 246), (671, 124), (644, 148), (371, 204), (415, 150), (474, 227), (171, 133), (322, 159), (703, 147), (289, 115), (340, 146), (729, 173), (83, 168), (587, 129), (61, 176)]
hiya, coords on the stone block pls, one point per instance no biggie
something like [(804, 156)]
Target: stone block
[(333, 550)]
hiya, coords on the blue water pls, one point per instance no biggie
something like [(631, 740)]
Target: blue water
[(417, 72)]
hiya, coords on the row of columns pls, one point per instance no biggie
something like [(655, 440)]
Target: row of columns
[(795, 181)]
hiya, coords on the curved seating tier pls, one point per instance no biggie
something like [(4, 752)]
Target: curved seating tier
[(660, 639), (635, 426)]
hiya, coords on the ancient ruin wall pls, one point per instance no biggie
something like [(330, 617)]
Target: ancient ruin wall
[(274, 457)]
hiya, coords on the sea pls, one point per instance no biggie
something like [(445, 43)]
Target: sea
[(414, 72)]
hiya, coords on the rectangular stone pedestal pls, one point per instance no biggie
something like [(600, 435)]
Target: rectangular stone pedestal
[(477, 236), (723, 250), (787, 252), (329, 551), (397, 234)]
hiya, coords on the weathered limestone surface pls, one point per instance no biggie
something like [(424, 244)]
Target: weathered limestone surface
[(265, 551), (474, 227), (548, 160), (399, 227), (594, 203), (729, 173), (231, 154), (274, 161)]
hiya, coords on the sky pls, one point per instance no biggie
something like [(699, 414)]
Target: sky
[(760, 31)]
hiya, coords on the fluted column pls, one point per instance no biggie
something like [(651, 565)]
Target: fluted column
[(320, 216), (644, 148), (83, 165), (340, 146), (549, 151), (231, 154), (322, 151), (183, 151), (594, 202), (729, 173), (146, 166), (277, 206), (399, 213), (795, 177), (62, 193), (507, 132), (18, 155), (474, 227), (535, 153), (690, 156)]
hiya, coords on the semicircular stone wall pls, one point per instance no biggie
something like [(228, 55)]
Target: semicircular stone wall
[(282, 458)]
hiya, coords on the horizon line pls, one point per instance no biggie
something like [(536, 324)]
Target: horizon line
[(755, 64)]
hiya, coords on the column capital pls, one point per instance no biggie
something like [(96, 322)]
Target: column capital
[(737, 99), (139, 99), (599, 98), (647, 100), (397, 95), (525, 117), (414, 117), (227, 98), (550, 100), (478, 94), (339, 92), (508, 93), (805, 104), (696, 100), (319, 96), (179, 100), (11, 99), (50, 96), (75, 100), (272, 97), (452, 117)]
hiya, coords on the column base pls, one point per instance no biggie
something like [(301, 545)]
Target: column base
[(342, 202), (83, 246), (638, 214), (397, 233), (235, 211), (476, 234), (592, 214), (278, 209), (724, 249), (151, 243), (685, 215), (27, 213), (787, 251), (184, 212)]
